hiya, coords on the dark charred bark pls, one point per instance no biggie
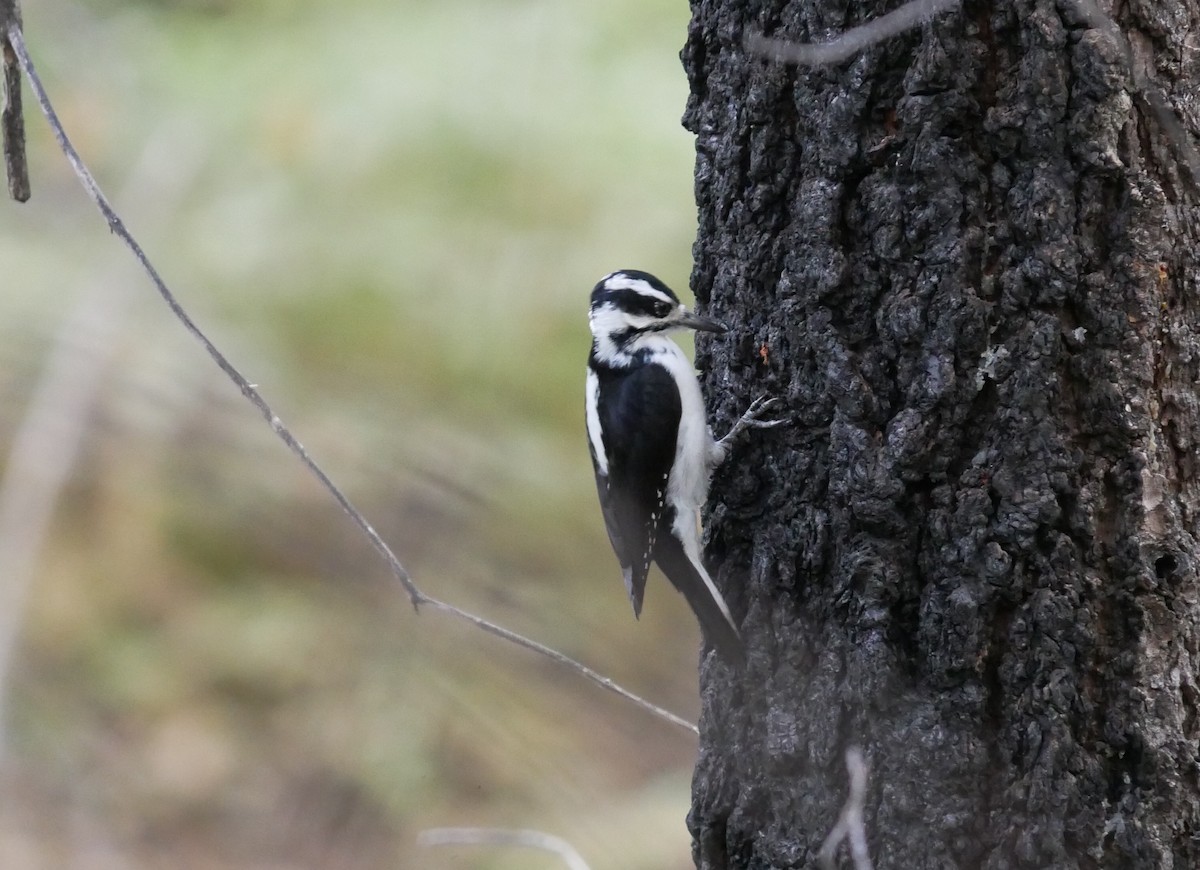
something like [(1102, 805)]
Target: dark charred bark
[(966, 257)]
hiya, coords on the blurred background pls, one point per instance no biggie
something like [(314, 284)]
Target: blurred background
[(389, 215)]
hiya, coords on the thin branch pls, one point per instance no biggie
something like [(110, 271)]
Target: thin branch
[(917, 12), (12, 117), (247, 389), (415, 595), (47, 441), (850, 826), (503, 837), (851, 42), (555, 655)]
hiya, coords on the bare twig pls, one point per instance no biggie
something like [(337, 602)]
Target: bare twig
[(555, 655), (917, 12), (47, 441), (850, 825), (248, 390), (12, 117), (851, 42), (415, 595), (503, 837)]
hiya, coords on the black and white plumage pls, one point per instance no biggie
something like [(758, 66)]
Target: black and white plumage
[(651, 447)]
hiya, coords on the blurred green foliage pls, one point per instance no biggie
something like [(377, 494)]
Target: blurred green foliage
[(390, 214)]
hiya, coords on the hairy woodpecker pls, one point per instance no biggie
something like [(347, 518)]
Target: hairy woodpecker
[(651, 446)]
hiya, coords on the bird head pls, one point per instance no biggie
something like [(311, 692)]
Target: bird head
[(628, 306)]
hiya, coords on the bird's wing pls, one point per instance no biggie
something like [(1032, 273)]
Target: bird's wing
[(639, 416)]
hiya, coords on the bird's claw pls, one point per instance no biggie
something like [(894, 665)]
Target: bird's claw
[(757, 408), (749, 420)]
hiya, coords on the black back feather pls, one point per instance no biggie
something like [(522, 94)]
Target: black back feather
[(639, 416)]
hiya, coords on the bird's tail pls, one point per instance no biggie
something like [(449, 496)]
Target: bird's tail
[(690, 578)]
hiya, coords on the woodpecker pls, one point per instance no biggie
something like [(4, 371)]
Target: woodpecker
[(652, 449)]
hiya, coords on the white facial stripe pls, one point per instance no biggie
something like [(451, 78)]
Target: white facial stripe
[(621, 281), (606, 319), (640, 321)]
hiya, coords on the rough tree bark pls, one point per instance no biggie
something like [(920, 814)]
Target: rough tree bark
[(966, 257)]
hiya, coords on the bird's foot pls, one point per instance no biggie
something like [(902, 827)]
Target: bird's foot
[(751, 419)]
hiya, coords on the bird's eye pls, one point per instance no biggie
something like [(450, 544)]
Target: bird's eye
[(662, 309)]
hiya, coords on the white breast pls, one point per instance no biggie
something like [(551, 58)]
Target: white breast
[(687, 488)]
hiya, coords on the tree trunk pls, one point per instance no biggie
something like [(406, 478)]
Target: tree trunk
[(965, 257)]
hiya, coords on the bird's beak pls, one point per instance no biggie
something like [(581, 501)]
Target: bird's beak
[(691, 320)]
